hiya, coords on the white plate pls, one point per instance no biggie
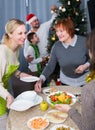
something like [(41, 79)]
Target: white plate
[(60, 125), (74, 99), (30, 96), (37, 117), (26, 100), (21, 105), (27, 95), (29, 79), (55, 116), (37, 100)]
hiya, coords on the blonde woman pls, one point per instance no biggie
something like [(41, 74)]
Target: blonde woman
[(13, 39)]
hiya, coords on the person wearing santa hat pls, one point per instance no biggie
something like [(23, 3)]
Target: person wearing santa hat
[(42, 31), (33, 21)]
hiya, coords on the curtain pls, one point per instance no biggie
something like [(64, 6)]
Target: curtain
[(20, 8)]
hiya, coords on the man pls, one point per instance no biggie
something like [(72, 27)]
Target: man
[(42, 31), (33, 21)]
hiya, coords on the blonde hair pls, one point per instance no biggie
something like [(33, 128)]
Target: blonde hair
[(10, 27)]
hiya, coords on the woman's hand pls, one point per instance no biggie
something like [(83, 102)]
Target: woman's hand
[(63, 107), (9, 99), (80, 69), (38, 85)]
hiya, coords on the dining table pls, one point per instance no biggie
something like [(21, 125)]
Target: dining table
[(17, 120)]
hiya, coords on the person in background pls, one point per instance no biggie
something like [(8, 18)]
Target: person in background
[(35, 67), (85, 120), (71, 53), (13, 39), (34, 23), (42, 31)]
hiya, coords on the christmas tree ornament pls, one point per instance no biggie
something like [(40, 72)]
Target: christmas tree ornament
[(63, 9), (68, 9), (69, 3)]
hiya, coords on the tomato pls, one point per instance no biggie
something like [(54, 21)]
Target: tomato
[(53, 98)]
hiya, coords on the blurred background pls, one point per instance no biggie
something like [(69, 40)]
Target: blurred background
[(20, 8)]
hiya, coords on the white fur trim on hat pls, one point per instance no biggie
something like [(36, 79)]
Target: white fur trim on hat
[(31, 20)]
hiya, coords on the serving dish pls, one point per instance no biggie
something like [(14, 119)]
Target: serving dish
[(61, 97), (61, 126), (37, 123), (55, 116)]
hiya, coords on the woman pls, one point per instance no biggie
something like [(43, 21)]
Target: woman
[(12, 40), (71, 54), (85, 120)]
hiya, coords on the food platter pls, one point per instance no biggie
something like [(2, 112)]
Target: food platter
[(29, 79), (60, 97), (55, 116), (37, 123), (61, 126)]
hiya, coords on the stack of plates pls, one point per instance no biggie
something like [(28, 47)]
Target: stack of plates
[(26, 100)]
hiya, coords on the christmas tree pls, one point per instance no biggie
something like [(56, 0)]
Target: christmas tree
[(68, 9)]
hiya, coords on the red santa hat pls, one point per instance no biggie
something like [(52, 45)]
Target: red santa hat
[(30, 18)]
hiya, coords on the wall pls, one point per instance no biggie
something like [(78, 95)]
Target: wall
[(19, 9)]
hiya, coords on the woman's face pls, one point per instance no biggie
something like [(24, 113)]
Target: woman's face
[(62, 34), (19, 35)]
